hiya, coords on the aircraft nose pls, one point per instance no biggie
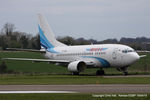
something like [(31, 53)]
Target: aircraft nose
[(135, 57)]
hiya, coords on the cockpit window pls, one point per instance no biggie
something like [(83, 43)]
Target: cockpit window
[(126, 51)]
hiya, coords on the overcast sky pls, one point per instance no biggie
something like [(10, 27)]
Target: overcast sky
[(97, 19)]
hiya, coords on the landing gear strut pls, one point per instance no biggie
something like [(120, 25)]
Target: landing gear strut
[(75, 73), (124, 70), (100, 72)]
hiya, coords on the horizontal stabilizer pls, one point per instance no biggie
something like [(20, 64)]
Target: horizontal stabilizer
[(29, 50)]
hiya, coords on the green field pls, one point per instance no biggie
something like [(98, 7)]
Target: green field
[(28, 66), (68, 97), (142, 66), (68, 79), (28, 73)]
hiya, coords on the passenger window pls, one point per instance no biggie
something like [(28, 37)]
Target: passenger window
[(124, 51)]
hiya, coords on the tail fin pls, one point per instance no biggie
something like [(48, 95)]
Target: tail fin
[(47, 38)]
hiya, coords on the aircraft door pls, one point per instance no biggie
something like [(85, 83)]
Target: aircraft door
[(114, 54), (116, 57)]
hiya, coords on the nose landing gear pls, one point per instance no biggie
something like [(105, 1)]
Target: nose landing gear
[(124, 70), (75, 73)]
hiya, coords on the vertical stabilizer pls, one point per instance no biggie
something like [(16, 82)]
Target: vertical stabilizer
[(47, 38)]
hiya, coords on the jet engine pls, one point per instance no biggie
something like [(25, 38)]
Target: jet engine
[(77, 66)]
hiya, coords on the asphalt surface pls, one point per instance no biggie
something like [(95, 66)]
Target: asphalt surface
[(113, 76), (104, 88)]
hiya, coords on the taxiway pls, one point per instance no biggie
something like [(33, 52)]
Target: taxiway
[(100, 88)]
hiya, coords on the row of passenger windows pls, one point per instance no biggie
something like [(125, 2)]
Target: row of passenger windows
[(126, 51), (78, 54)]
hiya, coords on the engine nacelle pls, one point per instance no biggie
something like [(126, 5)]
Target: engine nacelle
[(76, 66)]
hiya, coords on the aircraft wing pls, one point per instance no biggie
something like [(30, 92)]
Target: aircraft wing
[(37, 60), (29, 50), (141, 56), (143, 51), (46, 60)]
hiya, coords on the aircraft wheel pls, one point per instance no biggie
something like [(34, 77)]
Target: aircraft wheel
[(125, 73), (75, 73), (100, 72)]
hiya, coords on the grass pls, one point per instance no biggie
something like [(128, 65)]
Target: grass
[(66, 97), (37, 73), (44, 73), (142, 66), (28, 66), (68, 79)]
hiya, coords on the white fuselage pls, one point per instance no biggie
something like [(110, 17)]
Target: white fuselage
[(104, 55)]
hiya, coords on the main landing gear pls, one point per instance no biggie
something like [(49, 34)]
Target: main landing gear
[(100, 72), (75, 73), (124, 70)]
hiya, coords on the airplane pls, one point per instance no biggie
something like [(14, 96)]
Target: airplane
[(78, 58)]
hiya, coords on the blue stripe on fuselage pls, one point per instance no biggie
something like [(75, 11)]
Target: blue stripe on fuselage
[(104, 62)]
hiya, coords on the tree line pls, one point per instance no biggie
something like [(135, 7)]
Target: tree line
[(9, 38)]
